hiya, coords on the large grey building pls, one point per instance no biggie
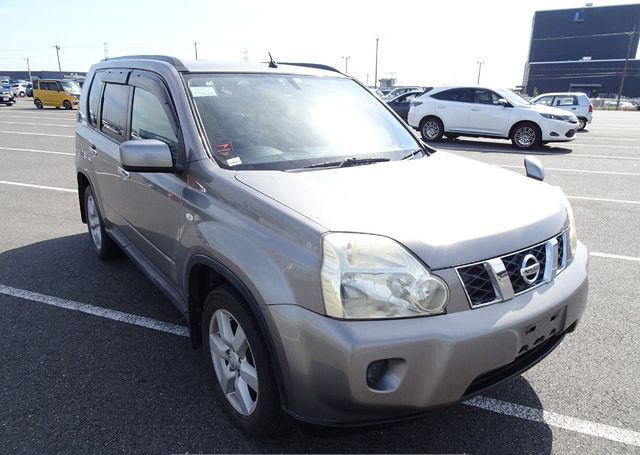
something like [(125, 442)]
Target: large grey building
[(587, 49)]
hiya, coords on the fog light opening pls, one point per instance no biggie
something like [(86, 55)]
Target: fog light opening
[(375, 372)]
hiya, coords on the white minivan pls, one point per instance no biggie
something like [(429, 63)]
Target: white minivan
[(578, 104), (488, 112)]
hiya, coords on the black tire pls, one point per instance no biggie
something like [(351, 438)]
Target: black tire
[(582, 123), (38, 103), (431, 129), (266, 417), (451, 136), (67, 105), (21, 94), (526, 135), (105, 247)]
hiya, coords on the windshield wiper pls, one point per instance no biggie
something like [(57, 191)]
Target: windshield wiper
[(413, 153), (348, 162)]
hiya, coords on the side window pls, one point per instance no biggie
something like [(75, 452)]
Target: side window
[(94, 98), (566, 101), (546, 100), (114, 110), (149, 120), (486, 97)]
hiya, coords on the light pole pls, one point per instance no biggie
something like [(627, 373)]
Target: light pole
[(479, 70), (195, 47), (28, 69), (346, 64), (58, 55), (375, 73), (626, 64)]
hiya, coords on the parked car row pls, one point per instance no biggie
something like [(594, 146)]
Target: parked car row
[(6, 95)]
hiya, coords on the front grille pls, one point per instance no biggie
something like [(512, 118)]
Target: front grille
[(513, 263), (478, 284), (485, 282)]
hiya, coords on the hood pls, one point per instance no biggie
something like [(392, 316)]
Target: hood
[(544, 109), (447, 209)]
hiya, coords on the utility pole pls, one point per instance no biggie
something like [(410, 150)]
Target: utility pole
[(195, 46), (106, 50), (375, 73), (58, 55), (346, 64), (28, 69), (479, 70), (626, 63)]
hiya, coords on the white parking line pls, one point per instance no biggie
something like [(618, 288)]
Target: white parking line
[(34, 134), (38, 124), (36, 151), (617, 138), (556, 420), (614, 256), (584, 171), (41, 187), (96, 311), (37, 117), (489, 404), (617, 201), (632, 147), (602, 157)]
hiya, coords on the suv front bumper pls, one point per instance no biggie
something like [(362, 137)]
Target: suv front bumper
[(436, 360)]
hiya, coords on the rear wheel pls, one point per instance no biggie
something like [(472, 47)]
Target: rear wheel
[(431, 129), (38, 103), (235, 351), (582, 123), (67, 104), (103, 245), (526, 135)]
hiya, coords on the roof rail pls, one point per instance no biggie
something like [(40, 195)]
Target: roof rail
[(176, 63), (318, 66)]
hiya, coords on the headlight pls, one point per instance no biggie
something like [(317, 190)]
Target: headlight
[(562, 118), (573, 234), (369, 276)]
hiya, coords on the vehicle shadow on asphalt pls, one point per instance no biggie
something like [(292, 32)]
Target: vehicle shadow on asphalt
[(80, 383), (495, 147)]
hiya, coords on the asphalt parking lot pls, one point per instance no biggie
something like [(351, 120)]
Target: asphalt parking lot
[(94, 359)]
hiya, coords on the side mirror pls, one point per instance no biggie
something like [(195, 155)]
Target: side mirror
[(146, 155), (534, 168), (504, 103)]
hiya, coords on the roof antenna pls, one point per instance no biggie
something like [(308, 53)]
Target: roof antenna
[(272, 62)]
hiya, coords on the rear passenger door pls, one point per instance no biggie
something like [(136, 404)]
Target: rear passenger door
[(151, 205), (567, 103), (453, 107)]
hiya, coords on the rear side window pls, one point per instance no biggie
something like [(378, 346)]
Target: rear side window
[(114, 110), (149, 120), (566, 101), (94, 98), (462, 95)]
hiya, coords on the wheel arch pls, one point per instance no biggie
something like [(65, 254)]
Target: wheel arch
[(205, 273), (427, 117), (520, 122)]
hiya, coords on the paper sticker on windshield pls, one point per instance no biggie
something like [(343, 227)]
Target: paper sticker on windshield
[(234, 161), (224, 149), (197, 92)]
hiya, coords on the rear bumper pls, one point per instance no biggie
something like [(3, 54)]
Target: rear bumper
[(435, 360)]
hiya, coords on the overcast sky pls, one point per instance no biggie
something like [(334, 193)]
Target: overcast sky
[(421, 42)]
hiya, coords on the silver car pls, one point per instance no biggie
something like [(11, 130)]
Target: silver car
[(332, 267)]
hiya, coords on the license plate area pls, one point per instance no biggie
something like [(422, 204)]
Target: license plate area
[(534, 334)]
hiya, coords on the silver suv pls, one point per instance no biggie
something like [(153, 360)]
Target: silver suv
[(330, 264)]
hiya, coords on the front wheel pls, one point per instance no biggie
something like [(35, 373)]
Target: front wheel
[(235, 351), (432, 129), (67, 104), (582, 123), (526, 136), (38, 104)]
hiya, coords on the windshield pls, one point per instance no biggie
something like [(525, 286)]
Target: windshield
[(71, 87), (513, 98), (260, 121)]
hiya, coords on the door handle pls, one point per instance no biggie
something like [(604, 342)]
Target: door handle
[(93, 147), (475, 109), (124, 174)]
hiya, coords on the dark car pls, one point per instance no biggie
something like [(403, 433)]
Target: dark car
[(401, 103), (6, 95)]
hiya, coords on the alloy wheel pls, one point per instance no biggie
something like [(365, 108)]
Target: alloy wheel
[(233, 362), (431, 129), (94, 222), (525, 136)]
